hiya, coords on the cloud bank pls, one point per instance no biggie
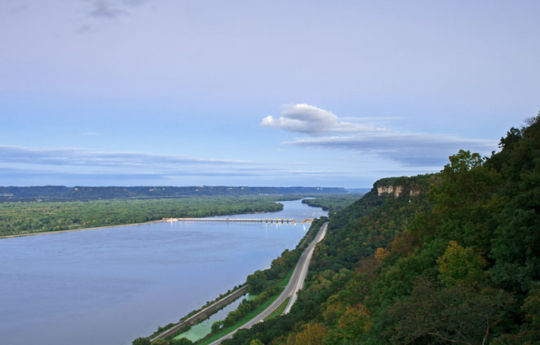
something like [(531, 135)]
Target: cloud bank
[(83, 157), (79, 166), (328, 131)]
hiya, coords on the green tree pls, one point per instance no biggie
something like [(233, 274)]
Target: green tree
[(312, 334), (141, 341), (160, 342), (460, 265), (351, 327), (458, 315), (181, 341)]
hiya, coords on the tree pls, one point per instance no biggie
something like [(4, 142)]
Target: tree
[(460, 265), (351, 327), (160, 342), (141, 341), (312, 334), (458, 315), (530, 330), (181, 341)]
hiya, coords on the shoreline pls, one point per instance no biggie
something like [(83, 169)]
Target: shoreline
[(128, 224), (79, 229), (174, 330)]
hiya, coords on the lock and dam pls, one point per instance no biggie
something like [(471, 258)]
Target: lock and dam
[(242, 220)]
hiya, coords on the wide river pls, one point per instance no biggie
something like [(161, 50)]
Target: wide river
[(111, 285)]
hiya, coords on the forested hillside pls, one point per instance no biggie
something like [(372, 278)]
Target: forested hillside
[(333, 202), (449, 258)]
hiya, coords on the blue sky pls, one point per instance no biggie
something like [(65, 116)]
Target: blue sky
[(277, 93)]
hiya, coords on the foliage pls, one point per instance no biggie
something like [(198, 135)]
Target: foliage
[(312, 334), (458, 315), (460, 265), (141, 341), (181, 341), (160, 342), (333, 202), (30, 217)]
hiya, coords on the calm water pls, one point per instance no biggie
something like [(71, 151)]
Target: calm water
[(111, 285)]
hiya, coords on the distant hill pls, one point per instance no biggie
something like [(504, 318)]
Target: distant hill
[(81, 193)]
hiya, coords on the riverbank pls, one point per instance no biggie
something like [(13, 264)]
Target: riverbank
[(282, 297), (289, 291), (203, 314), (80, 229), (125, 283), (34, 218)]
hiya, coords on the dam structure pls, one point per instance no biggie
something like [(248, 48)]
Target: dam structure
[(242, 220)]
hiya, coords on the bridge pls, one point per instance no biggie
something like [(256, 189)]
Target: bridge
[(241, 220)]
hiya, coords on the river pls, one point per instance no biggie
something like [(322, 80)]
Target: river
[(111, 285)]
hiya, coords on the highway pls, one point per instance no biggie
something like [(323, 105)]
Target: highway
[(295, 284)]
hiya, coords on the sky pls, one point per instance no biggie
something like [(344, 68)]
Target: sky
[(258, 93)]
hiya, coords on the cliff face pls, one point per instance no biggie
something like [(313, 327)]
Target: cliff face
[(401, 186), (395, 190)]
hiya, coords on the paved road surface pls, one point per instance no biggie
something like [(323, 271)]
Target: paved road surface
[(295, 284)]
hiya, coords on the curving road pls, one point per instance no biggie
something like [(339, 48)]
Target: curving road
[(295, 284)]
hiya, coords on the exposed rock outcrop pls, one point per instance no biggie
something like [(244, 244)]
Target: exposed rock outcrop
[(402, 186)]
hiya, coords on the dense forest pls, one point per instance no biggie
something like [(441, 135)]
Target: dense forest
[(63, 193), (333, 202), (18, 218), (448, 258)]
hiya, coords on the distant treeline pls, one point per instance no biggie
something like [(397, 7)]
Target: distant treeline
[(17, 218), (333, 202), (63, 193)]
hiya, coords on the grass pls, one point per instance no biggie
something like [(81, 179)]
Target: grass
[(285, 280), (249, 316), (279, 310)]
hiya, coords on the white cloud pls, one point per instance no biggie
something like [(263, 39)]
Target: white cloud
[(308, 119), (331, 132)]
